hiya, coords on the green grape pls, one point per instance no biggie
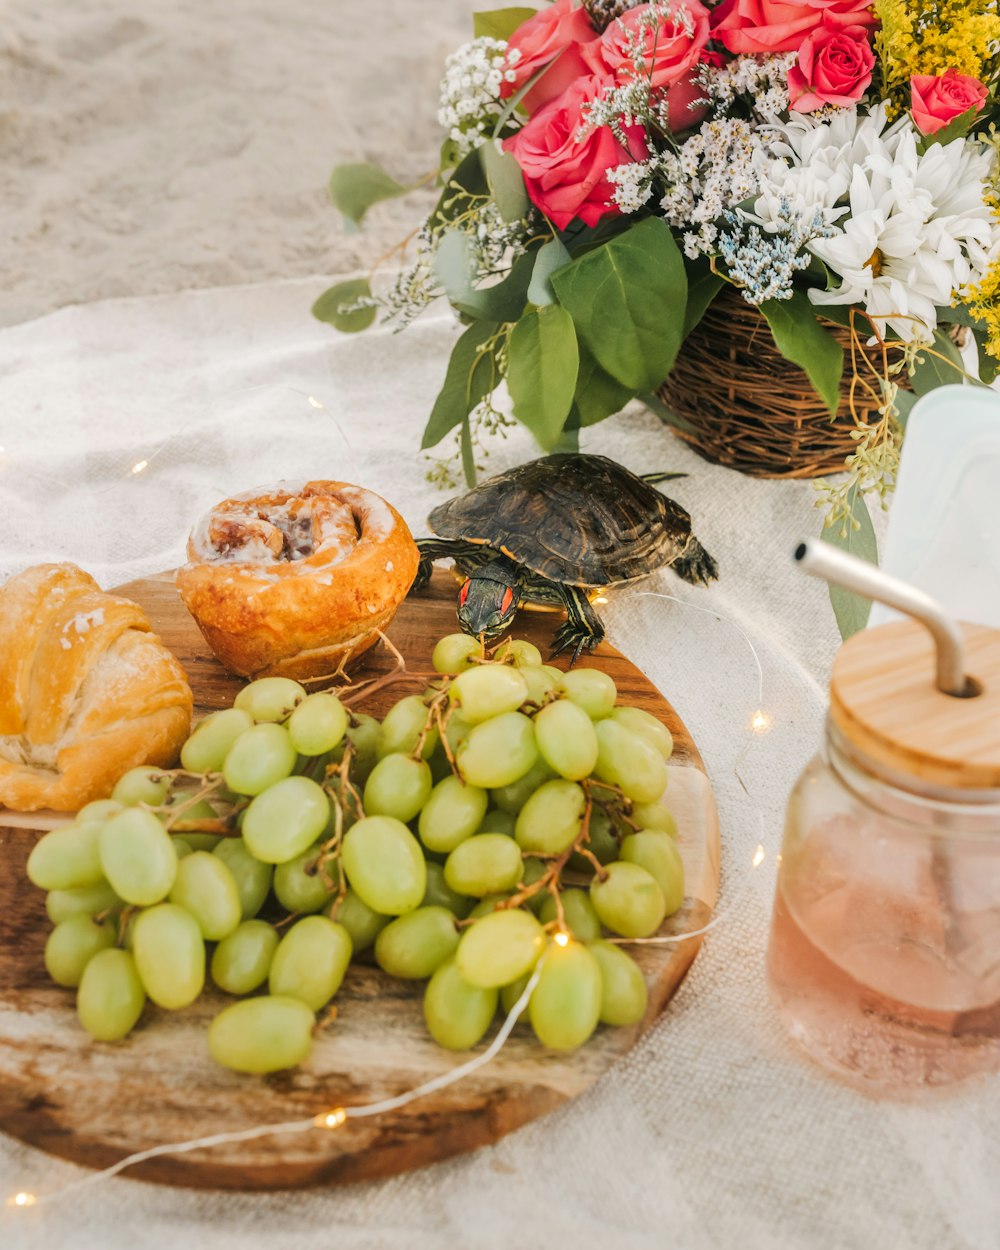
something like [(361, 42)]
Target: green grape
[(457, 1013), (138, 857), (592, 689), (142, 785), (550, 820), (509, 995), (636, 721), (540, 684), (68, 857), (566, 739), (202, 841), (565, 1005), (259, 758), (534, 869), (99, 809), (486, 864), (206, 750), (207, 889), (623, 989), (362, 734), (182, 848), (456, 730), (500, 948), (629, 761), (513, 797), (498, 821), (657, 852), (654, 816), (318, 724), (362, 923), (85, 900), (270, 698), (301, 886), (452, 813), (602, 844), (402, 726), (261, 1034), (242, 959), (629, 901), (453, 651), (488, 905), (253, 879), (414, 946), (110, 998), (497, 752), (169, 955), (71, 946), (486, 691), (384, 865), (440, 894), (523, 653), (310, 961), (398, 786), (581, 919), (285, 820)]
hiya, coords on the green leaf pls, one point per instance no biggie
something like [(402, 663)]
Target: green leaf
[(549, 257), (667, 415), (505, 181), (453, 265), (468, 177), (801, 339), (957, 128), (500, 23), (904, 406), (989, 366), (598, 394), (627, 301), (543, 362), (506, 300), (472, 375), (468, 459), (355, 188), (329, 306), (703, 286), (939, 365), (852, 610)]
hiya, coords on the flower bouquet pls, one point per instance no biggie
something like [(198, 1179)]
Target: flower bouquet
[(618, 178)]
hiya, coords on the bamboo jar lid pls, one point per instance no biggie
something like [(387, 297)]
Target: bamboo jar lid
[(884, 700)]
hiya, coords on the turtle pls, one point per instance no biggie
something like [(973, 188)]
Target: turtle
[(552, 531)]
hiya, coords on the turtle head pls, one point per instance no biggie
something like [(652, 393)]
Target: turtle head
[(488, 599)]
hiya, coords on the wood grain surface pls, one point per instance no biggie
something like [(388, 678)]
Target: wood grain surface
[(95, 1102)]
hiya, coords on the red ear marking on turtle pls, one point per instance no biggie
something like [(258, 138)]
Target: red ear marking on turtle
[(506, 601), (463, 594)]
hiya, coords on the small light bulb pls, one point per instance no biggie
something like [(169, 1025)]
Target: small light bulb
[(561, 938), (600, 599), (331, 1119), (758, 857), (313, 401), (760, 722), (21, 1200), (139, 466)]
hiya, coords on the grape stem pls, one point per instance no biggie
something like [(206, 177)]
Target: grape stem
[(330, 850), (398, 673)]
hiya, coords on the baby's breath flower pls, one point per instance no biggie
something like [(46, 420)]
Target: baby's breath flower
[(470, 91)]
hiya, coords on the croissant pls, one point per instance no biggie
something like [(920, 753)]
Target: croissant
[(297, 579), (87, 691)]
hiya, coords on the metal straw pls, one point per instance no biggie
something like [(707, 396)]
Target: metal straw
[(833, 565)]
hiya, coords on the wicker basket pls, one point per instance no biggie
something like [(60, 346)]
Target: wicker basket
[(744, 405)]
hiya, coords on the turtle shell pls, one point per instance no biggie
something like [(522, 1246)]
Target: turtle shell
[(582, 520)]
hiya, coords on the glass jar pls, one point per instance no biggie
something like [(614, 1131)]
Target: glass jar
[(884, 957)]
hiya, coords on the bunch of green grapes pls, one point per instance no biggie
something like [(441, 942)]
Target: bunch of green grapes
[(506, 812)]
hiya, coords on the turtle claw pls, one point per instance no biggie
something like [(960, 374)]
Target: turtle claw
[(574, 636)]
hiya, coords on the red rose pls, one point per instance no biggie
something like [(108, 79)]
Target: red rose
[(566, 177), (937, 99), (765, 26), (556, 33), (834, 67), (670, 50)]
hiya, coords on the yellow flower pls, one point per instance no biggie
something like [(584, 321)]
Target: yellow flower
[(930, 36)]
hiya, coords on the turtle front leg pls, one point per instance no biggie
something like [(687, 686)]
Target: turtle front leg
[(583, 629), (432, 549)]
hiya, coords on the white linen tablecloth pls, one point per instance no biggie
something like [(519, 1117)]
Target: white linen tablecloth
[(713, 1132)]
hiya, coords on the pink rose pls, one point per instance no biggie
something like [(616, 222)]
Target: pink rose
[(669, 51), (556, 33), (764, 26), (938, 99), (834, 67), (566, 177)]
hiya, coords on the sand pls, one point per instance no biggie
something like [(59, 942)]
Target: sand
[(147, 148)]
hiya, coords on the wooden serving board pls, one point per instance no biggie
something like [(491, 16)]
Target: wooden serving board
[(94, 1103)]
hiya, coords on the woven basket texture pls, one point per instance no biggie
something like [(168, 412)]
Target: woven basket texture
[(749, 408)]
